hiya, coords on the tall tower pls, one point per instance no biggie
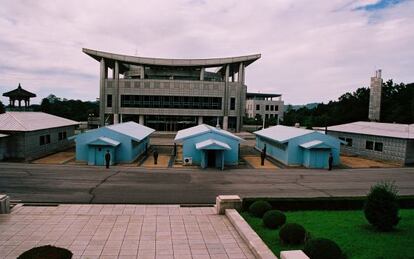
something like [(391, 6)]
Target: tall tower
[(375, 97)]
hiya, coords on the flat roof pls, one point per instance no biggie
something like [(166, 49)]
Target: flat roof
[(262, 95), (394, 130), (134, 60)]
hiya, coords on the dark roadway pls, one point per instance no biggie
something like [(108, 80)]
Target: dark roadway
[(83, 184)]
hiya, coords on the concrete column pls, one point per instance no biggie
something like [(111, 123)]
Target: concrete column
[(141, 119), (102, 101), (241, 73), (225, 122), (202, 74), (142, 70), (226, 99), (20, 103), (116, 94), (200, 120)]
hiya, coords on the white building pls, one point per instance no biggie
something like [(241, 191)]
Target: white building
[(266, 105), (383, 141)]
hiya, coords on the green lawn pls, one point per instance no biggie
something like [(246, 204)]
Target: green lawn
[(349, 229)]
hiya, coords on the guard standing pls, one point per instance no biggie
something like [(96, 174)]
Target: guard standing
[(330, 161), (107, 159), (155, 154), (263, 157)]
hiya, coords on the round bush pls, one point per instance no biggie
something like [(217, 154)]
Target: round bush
[(258, 208), (381, 206), (322, 248), (274, 219), (50, 252), (292, 234)]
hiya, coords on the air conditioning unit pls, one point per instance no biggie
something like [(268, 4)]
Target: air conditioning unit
[(188, 161)]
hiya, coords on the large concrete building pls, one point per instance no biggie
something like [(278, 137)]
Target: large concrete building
[(172, 94), (266, 105)]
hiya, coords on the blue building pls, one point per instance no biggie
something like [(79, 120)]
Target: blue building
[(298, 147), (124, 141), (208, 146)]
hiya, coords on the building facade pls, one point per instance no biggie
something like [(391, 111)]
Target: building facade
[(298, 147), (267, 106), (124, 142), (172, 94), (382, 141), (30, 135)]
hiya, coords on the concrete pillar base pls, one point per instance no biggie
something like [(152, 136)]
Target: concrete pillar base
[(141, 119), (224, 202), (225, 122), (293, 254), (116, 118), (4, 204), (200, 120)]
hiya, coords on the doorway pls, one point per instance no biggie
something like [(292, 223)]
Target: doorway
[(211, 158)]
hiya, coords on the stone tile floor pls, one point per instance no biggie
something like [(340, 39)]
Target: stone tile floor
[(122, 231)]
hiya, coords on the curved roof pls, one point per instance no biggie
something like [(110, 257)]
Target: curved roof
[(19, 92), (210, 62)]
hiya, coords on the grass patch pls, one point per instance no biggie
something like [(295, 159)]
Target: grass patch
[(349, 229)]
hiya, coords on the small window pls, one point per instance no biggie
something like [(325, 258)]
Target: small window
[(109, 100), (378, 146), (272, 107), (348, 142), (369, 145), (276, 108), (267, 107), (232, 103), (257, 107), (60, 136), (64, 136), (47, 140), (42, 140)]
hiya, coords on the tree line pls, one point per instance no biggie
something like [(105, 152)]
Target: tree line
[(397, 106)]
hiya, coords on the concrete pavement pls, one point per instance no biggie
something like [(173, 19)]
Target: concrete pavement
[(85, 184)]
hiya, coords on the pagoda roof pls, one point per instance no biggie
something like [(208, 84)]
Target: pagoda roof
[(19, 92)]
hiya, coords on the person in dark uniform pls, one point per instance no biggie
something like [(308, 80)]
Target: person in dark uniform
[(330, 161), (107, 159), (155, 154), (262, 157)]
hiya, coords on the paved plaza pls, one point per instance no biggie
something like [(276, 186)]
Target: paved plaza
[(122, 231)]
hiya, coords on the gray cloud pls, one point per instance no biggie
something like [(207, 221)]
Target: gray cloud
[(311, 50)]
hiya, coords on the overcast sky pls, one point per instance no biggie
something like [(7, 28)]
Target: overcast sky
[(312, 50)]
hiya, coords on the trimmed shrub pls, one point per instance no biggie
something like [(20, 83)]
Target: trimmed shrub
[(274, 219), (258, 208), (322, 248), (292, 234), (49, 252), (381, 206)]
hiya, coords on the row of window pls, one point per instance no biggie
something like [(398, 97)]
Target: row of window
[(176, 102), (45, 139), (268, 107), (369, 145)]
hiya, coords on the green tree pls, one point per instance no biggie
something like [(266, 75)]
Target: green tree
[(2, 109)]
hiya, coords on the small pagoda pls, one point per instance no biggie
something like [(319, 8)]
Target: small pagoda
[(19, 94)]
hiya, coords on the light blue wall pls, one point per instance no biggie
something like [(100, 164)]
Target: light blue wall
[(126, 152), (231, 157), (295, 155)]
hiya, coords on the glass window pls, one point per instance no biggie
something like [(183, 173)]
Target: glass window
[(272, 107), (109, 100), (60, 136), (42, 140), (267, 107), (369, 145), (232, 103), (276, 108), (348, 142), (47, 140), (378, 146), (257, 107)]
